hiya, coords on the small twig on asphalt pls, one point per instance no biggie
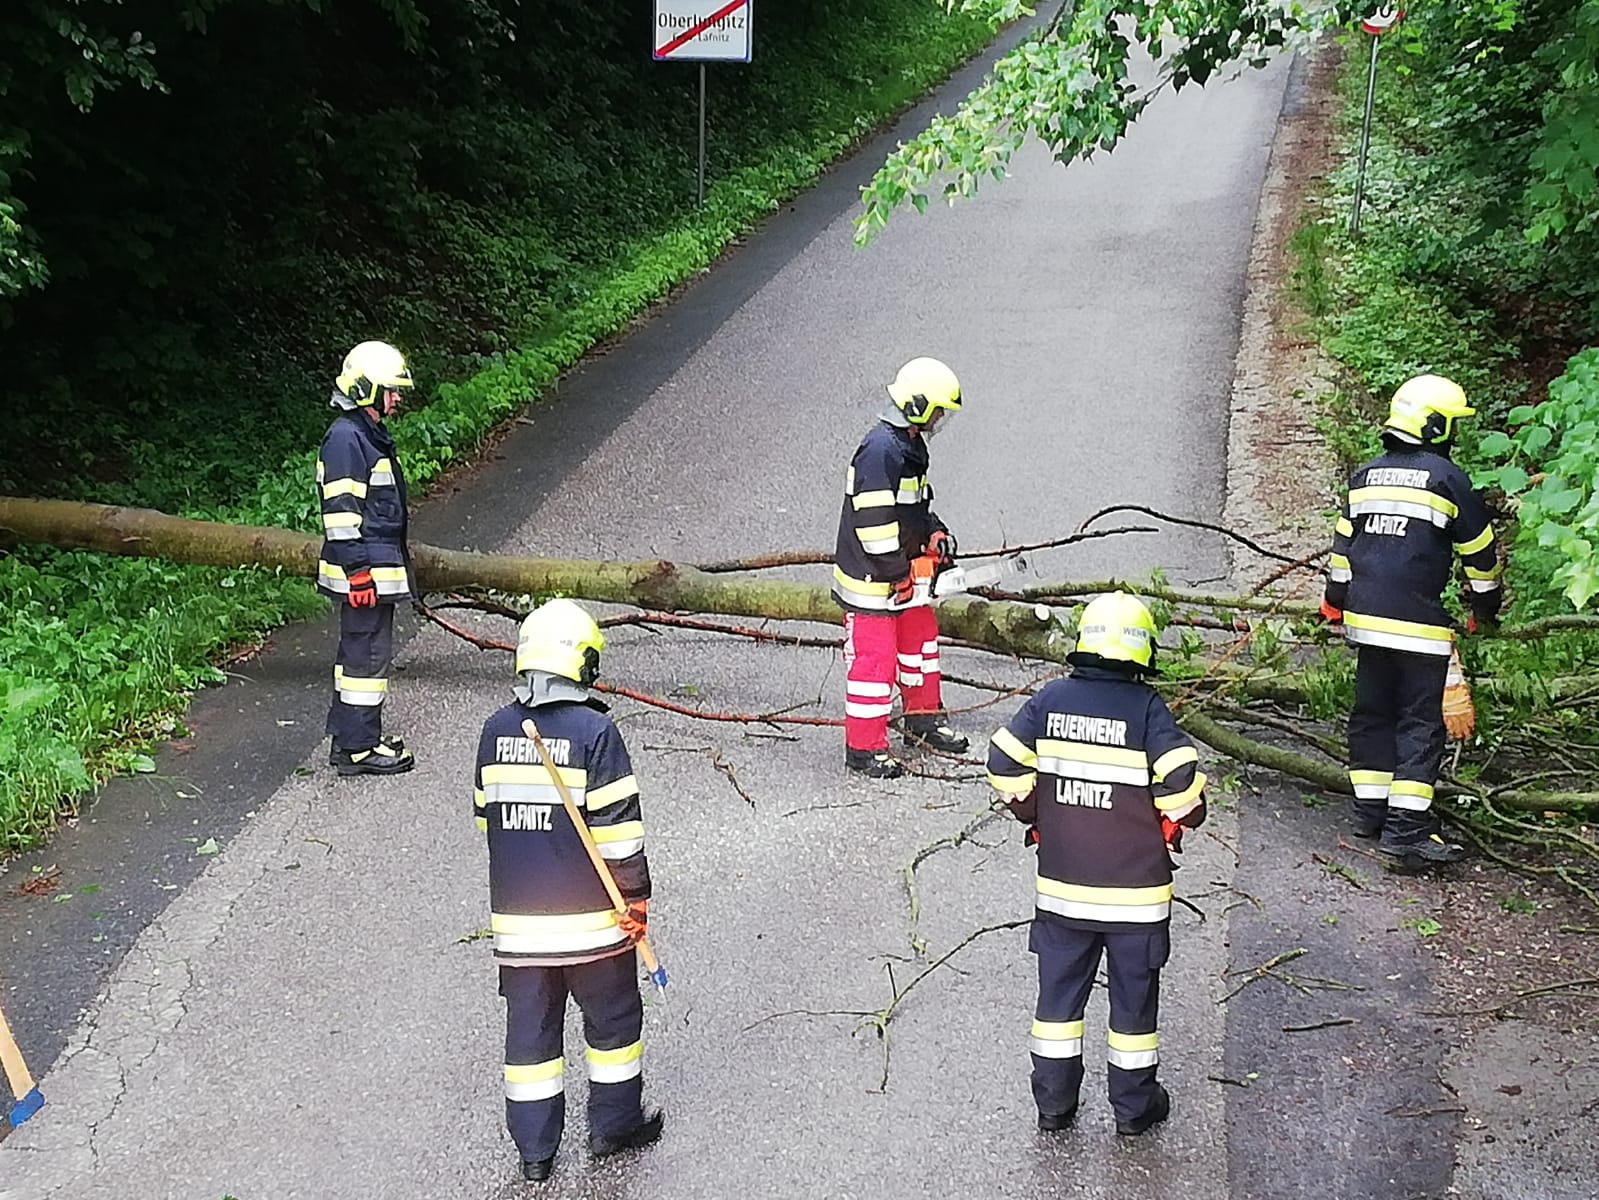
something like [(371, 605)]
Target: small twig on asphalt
[(1237, 1083), (1517, 998), (1267, 968), (953, 841), (726, 768), (1231, 849), (1338, 870), (1191, 907), (820, 807), (1427, 1112), (1328, 1024)]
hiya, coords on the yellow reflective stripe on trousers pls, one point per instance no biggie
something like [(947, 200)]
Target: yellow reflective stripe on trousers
[(1371, 785), (1397, 635), (1132, 1051), (1141, 905), (1013, 748), (1057, 1039), (616, 1066), (1481, 542), (534, 1081), (1410, 795), (619, 841), (362, 693), (624, 788)]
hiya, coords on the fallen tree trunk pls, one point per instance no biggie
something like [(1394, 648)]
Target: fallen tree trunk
[(1002, 626)]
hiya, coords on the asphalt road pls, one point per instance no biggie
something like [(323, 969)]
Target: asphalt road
[(304, 1019)]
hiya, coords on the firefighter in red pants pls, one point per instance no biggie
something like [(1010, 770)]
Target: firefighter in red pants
[(890, 631)]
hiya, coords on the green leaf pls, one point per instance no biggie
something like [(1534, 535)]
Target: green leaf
[(1497, 444), (1522, 412), (1534, 438), (1562, 501), (1512, 478)]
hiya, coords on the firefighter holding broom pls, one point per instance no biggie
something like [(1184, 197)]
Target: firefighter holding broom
[(557, 798)]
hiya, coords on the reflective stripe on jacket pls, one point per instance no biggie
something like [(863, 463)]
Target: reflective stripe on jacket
[(885, 520), (1407, 514), (361, 490), (1095, 760)]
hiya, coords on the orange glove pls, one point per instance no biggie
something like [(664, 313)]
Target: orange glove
[(905, 590), (941, 547), (633, 921), (363, 592), (1173, 833), (1333, 616)]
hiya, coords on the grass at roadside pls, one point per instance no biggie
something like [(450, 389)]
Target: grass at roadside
[(98, 655)]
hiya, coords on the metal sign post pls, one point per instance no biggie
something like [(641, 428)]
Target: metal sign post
[(1378, 23), (703, 31)]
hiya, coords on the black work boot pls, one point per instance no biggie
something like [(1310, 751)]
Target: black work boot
[(1157, 1112), (1368, 816), (1055, 1122), (930, 730), (389, 743), (874, 764), (379, 760), (646, 1133), (537, 1170), (1419, 852)]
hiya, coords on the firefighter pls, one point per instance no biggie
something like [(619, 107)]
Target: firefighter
[(364, 565), (890, 631), (1096, 768), (555, 930), (1407, 513)]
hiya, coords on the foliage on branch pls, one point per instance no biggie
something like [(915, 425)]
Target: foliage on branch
[(1072, 86)]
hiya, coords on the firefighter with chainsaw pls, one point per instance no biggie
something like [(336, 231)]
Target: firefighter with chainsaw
[(363, 565), (890, 549), (1407, 514), (556, 931), (1096, 769)]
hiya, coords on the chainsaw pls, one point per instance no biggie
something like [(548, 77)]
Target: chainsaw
[(936, 574)]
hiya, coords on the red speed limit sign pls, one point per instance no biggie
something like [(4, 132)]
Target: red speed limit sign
[(1382, 19)]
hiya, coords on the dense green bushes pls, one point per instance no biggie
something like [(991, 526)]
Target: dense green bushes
[(497, 208), (1461, 271)]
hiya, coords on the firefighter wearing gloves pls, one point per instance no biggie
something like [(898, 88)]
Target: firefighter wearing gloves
[(555, 930), (1096, 768), (1408, 513), (363, 565), (889, 545)]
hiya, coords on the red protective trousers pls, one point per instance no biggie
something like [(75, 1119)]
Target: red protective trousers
[(880, 649)]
